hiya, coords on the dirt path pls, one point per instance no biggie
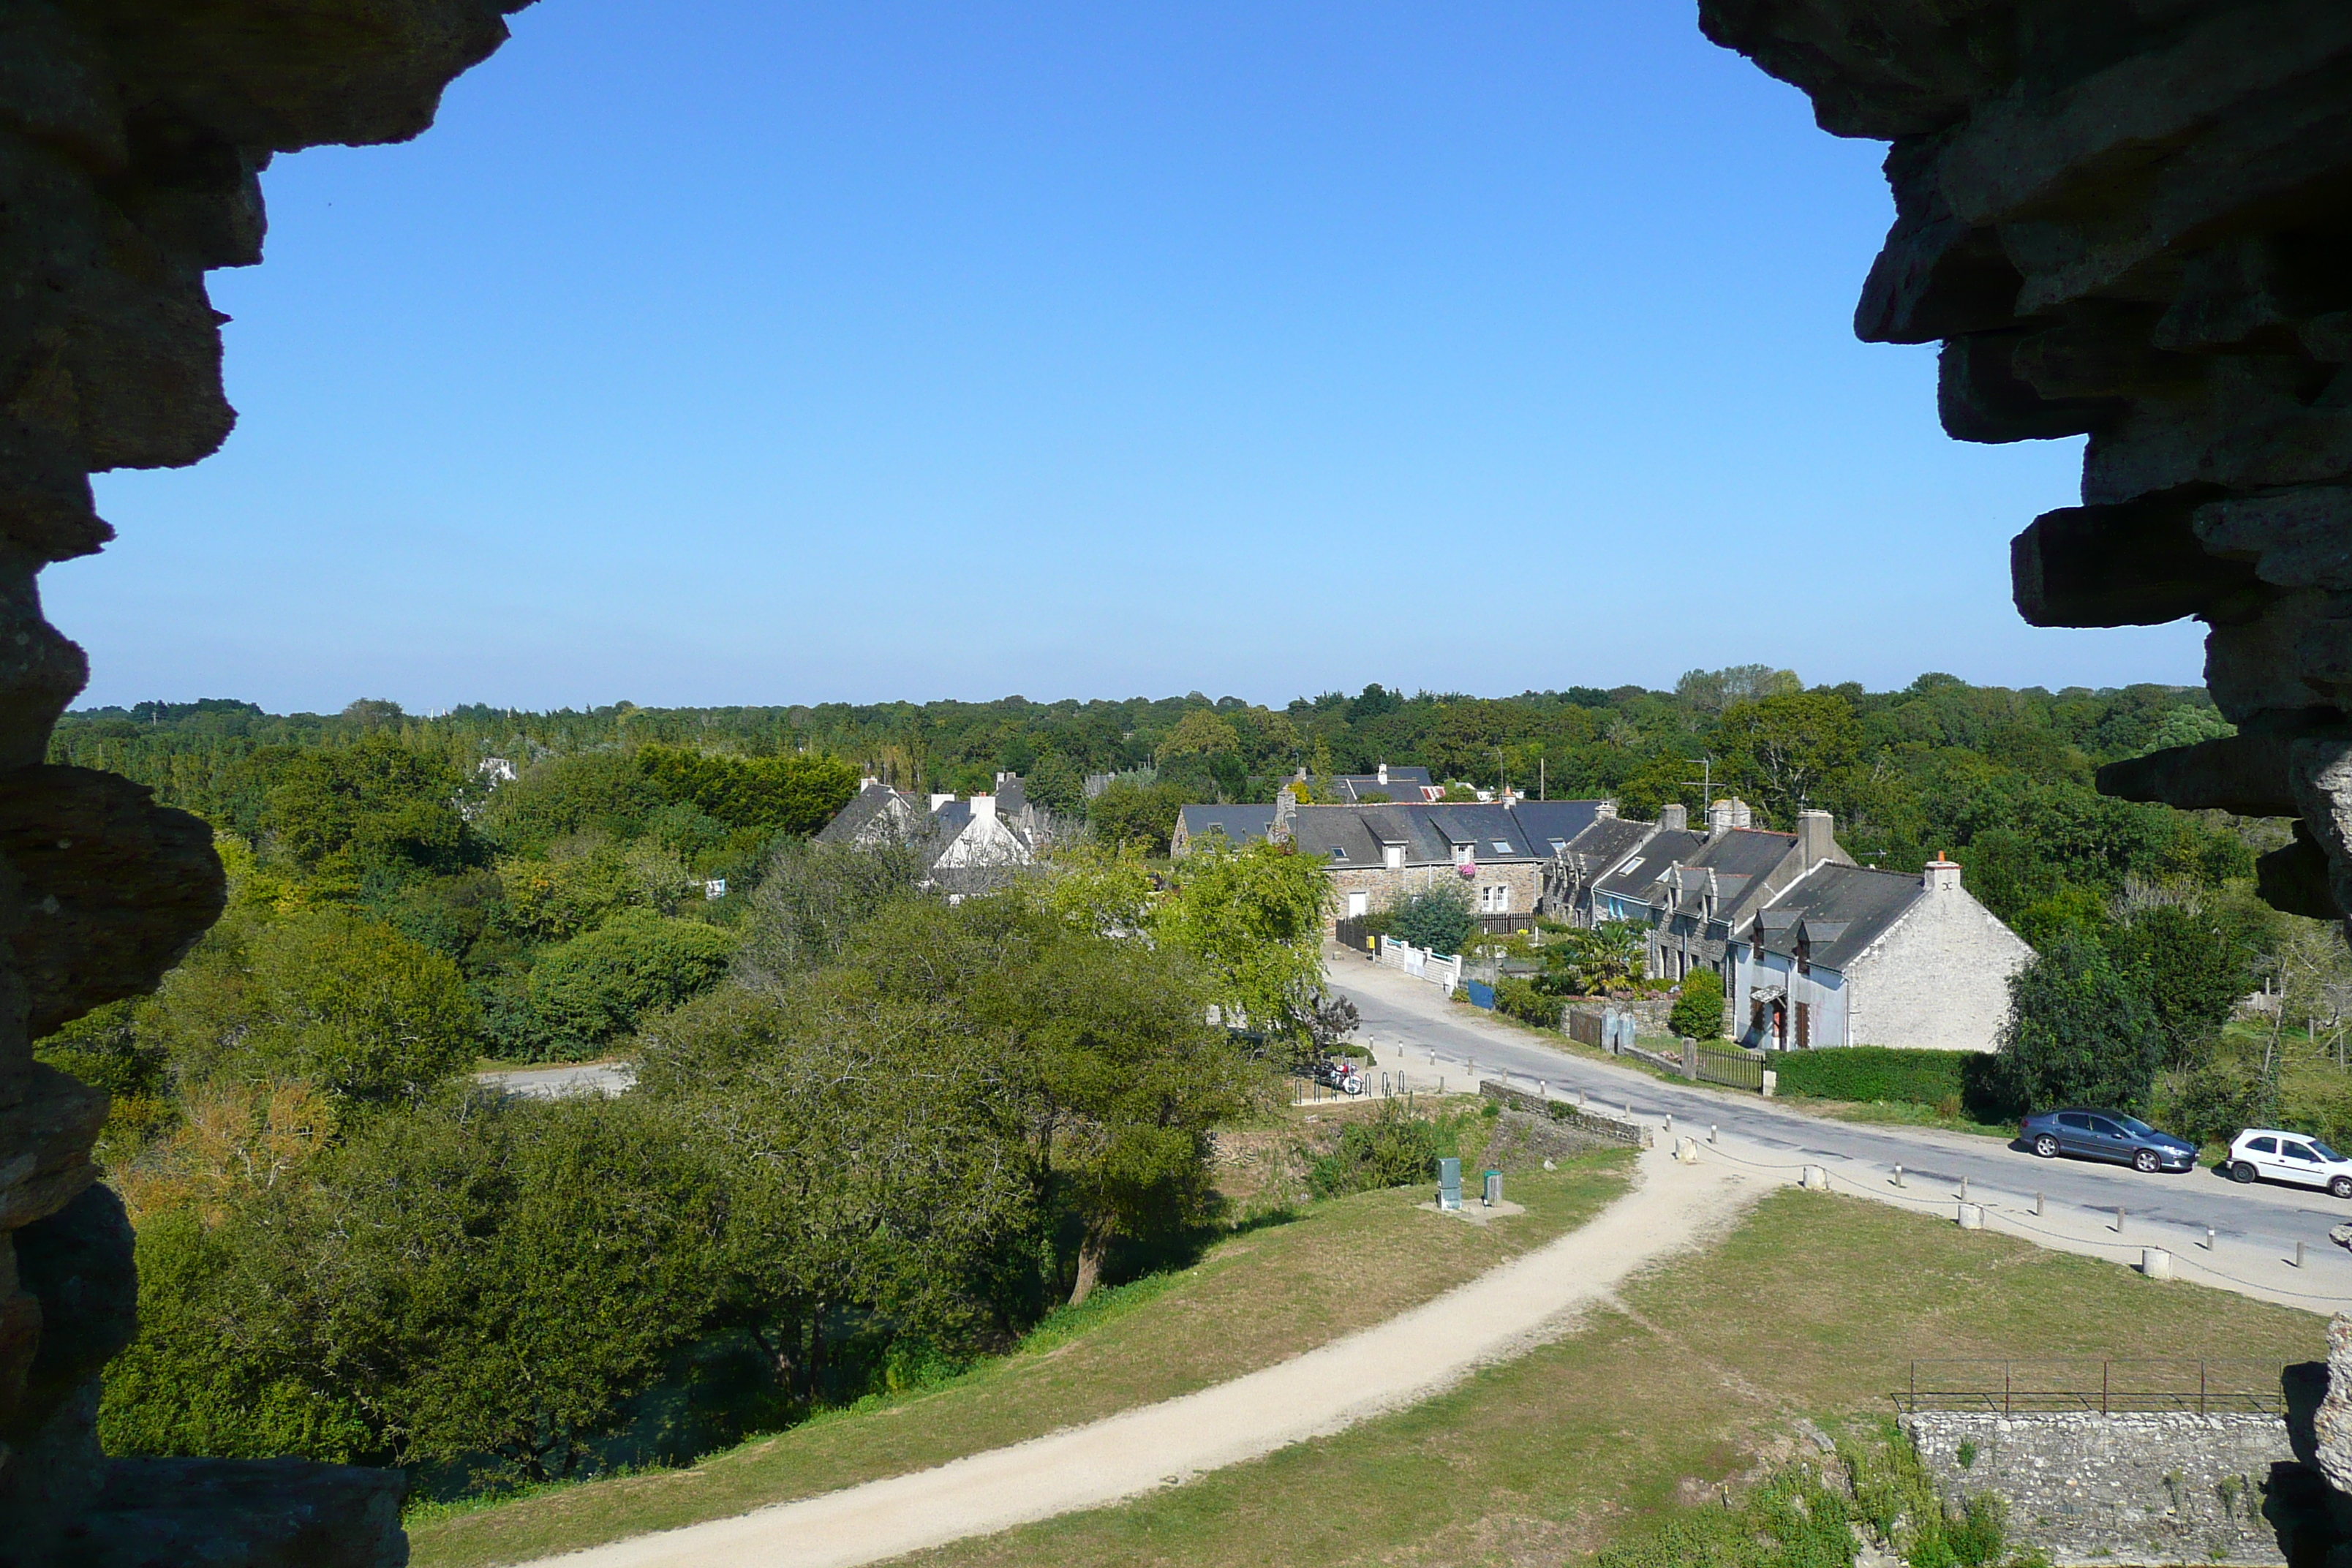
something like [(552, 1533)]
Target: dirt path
[(1406, 1359)]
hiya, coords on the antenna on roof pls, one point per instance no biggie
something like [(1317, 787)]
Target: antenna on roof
[(1705, 782)]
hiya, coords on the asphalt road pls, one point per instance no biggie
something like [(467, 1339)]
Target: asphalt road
[(1397, 1010)]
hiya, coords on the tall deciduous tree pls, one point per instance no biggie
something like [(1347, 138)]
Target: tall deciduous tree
[(1253, 919), (2079, 1031)]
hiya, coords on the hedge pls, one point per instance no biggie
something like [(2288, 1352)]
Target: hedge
[(1522, 1001), (1875, 1072)]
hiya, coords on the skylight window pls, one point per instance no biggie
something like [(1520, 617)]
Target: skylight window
[(1630, 867), (1501, 848), (1339, 853), (1559, 845)]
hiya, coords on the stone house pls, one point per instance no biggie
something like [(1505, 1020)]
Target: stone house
[(1846, 955), (1402, 785), (1701, 898), (1577, 865), (1377, 856), (1623, 891), (968, 843)]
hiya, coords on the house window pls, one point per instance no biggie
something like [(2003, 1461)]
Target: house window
[(1559, 845), (1339, 853), (1392, 857), (1495, 900), (1630, 867), (1359, 905), (1502, 847)]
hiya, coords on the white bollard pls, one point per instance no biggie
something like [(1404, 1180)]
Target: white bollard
[(2156, 1263), (1686, 1151), (1972, 1216)]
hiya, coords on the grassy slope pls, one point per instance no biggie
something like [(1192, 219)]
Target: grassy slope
[(1810, 1309), (1255, 1298)]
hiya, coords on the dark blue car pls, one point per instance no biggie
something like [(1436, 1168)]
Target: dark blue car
[(2092, 1134)]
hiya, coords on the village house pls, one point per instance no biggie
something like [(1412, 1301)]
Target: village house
[(1847, 955), (1377, 856), (1701, 898), (1577, 865), (967, 842), (1623, 891), (1385, 785), (1236, 825)]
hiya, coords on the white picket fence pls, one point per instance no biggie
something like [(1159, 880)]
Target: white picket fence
[(1441, 969)]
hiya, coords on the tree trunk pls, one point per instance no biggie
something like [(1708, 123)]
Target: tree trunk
[(1090, 1262)]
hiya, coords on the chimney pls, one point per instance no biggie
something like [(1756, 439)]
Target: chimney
[(939, 800), (1675, 818), (1285, 803), (1942, 876), (1719, 814), (1816, 836), (983, 808), (1605, 812), (1384, 773)]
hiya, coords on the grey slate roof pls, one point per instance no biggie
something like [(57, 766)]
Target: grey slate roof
[(1240, 823), (1546, 820), (1633, 879), (1840, 910), (863, 807), (1608, 840), (1405, 786)]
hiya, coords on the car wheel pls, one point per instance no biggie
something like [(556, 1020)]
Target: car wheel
[(2242, 1173), (2340, 1187), (2144, 1160), (2046, 1146)]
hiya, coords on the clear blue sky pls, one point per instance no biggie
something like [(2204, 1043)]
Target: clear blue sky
[(738, 352)]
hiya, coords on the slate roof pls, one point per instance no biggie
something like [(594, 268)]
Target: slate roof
[(1405, 786), (1608, 840), (863, 807), (1240, 823), (1546, 820), (1429, 833), (1632, 881), (1842, 910)]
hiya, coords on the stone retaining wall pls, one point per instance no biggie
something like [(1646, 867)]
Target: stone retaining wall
[(2150, 1489)]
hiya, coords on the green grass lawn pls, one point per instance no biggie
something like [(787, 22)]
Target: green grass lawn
[(1813, 1308), (1257, 1298)]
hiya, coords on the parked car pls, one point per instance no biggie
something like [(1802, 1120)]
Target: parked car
[(2093, 1134), (2291, 1157)]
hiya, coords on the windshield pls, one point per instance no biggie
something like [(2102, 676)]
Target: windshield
[(2324, 1152)]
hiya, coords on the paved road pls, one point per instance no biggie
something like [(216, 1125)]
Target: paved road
[(2171, 1211), (563, 1081)]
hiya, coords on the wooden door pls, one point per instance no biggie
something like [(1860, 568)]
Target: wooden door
[(1804, 1026)]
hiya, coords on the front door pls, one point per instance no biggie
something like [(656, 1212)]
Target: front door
[(1804, 1026)]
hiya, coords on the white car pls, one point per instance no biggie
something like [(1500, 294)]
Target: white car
[(2290, 1157)]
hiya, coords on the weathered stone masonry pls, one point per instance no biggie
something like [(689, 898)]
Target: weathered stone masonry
[(132, 136), (2132, 219)]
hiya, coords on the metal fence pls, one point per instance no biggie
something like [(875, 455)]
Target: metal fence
[(1354, 933), (2081, 1383), (1733, 1069)]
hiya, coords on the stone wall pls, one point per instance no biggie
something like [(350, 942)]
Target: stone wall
[(132, 137), (2139, 1489), (2134, 222), (1939, 980)]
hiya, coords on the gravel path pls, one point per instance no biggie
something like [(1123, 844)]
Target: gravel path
[(1532, 1299)]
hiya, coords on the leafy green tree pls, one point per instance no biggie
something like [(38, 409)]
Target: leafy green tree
[(205, 1377), (497, 1275), (1202, 733), (1437, 918), (1792, 744), (2196, 967), (321, 996), (1057, 785), (796, 795), (374, 806), (592, 990), (1698, 1012), (1137, 814), (2079, 1031), (814, 897), (1253, 919), (604, 792)]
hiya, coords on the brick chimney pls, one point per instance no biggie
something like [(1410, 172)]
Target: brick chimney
[(1605, 812), (1673, 818), (1942, 876), (1816, 836), (1720, 817)]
